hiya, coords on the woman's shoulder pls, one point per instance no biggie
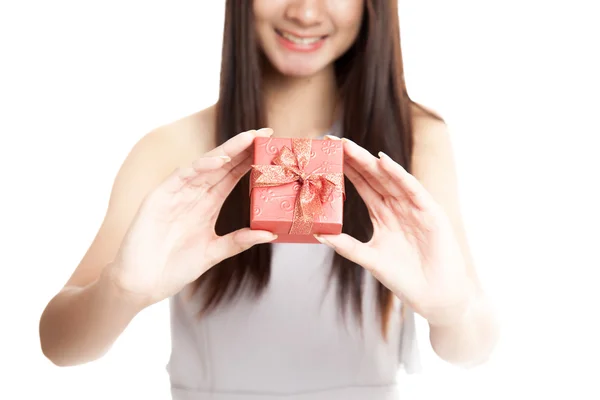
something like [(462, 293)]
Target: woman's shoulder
[(175, 144), (186, 138), (164, 149), (430, 131), (424, 116), (433, 161)]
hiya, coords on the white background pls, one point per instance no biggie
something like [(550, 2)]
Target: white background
[(517, 81)]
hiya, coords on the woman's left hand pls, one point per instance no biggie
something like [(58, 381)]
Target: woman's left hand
[(413, 250)]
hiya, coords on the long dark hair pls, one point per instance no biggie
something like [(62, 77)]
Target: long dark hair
[(376, 115)]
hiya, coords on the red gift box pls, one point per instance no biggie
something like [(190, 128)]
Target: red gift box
[(297, 188)]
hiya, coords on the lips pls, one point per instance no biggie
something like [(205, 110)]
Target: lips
[(300, 39), (301, 43)]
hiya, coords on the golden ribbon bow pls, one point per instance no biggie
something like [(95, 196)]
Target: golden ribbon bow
[(316, 188)]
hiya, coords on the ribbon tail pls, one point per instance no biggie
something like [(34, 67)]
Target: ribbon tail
[(308, 205), (301, 225)]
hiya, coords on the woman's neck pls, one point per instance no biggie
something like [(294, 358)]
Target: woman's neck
[(301, 107)]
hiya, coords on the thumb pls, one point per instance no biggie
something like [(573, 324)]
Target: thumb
[(350, 248), (238, 241)]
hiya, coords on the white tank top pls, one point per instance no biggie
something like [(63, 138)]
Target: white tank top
[(291, 343)]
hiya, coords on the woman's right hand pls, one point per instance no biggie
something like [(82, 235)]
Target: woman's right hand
[(172, 240)]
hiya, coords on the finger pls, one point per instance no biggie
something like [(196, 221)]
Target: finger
[(364, 189), (207, 164), (238, 149), (226, 185), (350, 248), (372, 199), (365, 164), (235, 242), (405, 183), (239, 145), (211, 178)]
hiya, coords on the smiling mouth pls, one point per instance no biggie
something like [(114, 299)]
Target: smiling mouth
[(300, 40)]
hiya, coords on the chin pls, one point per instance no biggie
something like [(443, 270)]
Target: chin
[(297, 68), (298, 71)]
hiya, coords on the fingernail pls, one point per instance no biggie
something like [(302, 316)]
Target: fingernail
[(225, 158), (264, 132), (331, 137), (381, 154), (320, 239)]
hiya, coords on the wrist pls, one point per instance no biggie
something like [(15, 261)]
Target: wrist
[(458, 313), (109, 283), (454, 318)]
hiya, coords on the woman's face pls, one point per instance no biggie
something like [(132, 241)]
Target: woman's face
[(302, 37)]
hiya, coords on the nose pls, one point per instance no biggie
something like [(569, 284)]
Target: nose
[(306, 12)]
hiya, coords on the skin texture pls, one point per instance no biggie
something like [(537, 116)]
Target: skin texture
[(175, 174), (339, 20), (419, 248), (155, 239)]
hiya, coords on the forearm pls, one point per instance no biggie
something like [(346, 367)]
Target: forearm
[(79, 325), (470, 340)]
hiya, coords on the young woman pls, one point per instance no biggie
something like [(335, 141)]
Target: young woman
[(253, 319)]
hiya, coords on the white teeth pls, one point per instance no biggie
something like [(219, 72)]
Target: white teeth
[(299, 40)]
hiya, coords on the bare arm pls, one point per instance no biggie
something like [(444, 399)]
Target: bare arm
[(80, 324), (158, 236), (419, 249), (470, 340), (85, 318)]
